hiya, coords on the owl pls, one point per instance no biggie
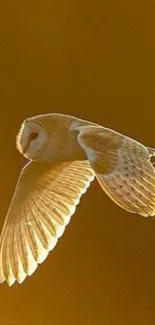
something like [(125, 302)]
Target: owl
[(65, 155)]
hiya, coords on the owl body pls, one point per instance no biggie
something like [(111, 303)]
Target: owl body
[(65, 155)]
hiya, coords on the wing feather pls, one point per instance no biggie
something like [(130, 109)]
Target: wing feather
[(45, 198), (123, 168)]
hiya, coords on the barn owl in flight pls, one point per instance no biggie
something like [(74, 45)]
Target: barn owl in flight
[(66, 154)]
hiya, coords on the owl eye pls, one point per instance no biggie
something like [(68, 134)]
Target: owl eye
[(33, 136)]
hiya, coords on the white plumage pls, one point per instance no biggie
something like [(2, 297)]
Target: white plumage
[(66, 153)]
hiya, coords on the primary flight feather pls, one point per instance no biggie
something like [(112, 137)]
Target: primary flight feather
[(66, 154)]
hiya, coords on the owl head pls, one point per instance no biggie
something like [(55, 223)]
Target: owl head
[(31, 139), (47, 137)]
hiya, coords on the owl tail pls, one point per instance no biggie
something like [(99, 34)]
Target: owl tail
[(123, 168)]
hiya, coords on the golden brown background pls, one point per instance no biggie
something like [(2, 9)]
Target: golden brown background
[(96, 60)]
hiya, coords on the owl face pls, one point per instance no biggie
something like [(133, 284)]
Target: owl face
[(31, 139)]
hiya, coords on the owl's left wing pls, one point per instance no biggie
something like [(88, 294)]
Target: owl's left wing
[(123, 168), (45, 198)]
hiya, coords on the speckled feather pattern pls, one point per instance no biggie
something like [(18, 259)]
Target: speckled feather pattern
[(123, 169), (132, 182)]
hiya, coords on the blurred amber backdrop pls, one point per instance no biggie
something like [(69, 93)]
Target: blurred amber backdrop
[(96, 60)]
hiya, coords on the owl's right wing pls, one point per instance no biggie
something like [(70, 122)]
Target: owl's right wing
[(122, 166), (45, 198)]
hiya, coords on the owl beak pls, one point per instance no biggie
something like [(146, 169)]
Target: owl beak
[(25, 148)]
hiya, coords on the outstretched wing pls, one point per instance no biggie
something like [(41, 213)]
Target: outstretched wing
[(122, 167), (45, 198)]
